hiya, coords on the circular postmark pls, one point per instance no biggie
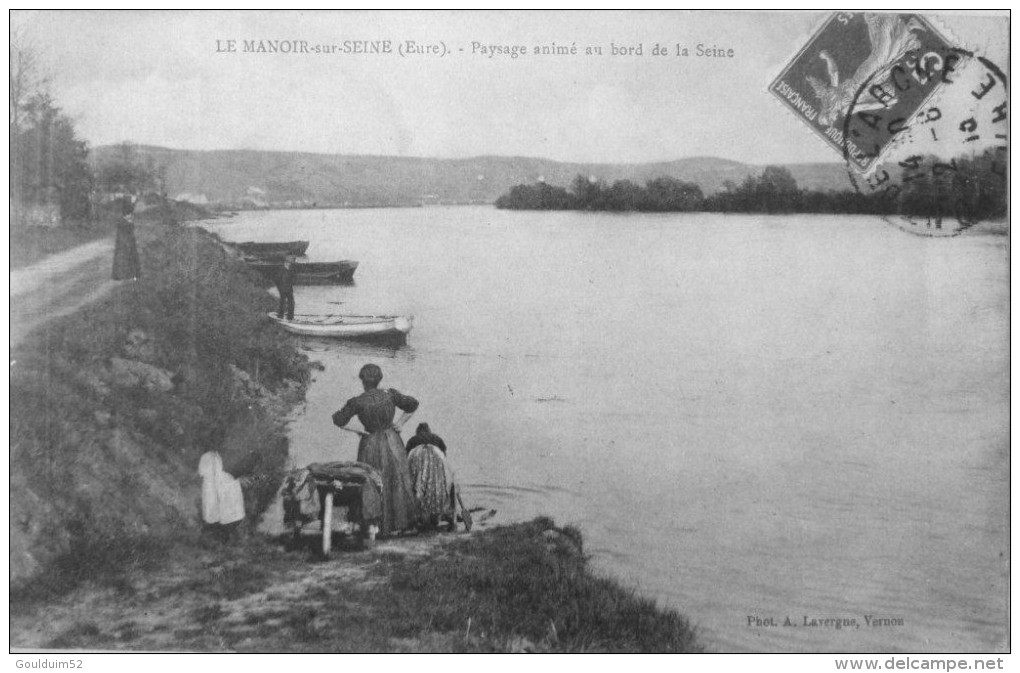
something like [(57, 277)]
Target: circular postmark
[(942, 167)]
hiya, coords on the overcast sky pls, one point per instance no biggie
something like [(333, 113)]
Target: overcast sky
[(156, 78)]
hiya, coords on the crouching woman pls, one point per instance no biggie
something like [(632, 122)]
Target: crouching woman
[(432, 479)]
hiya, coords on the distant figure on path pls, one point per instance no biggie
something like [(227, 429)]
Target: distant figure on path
[(381, 446), (431, 478), (125, 252), (285, 285)]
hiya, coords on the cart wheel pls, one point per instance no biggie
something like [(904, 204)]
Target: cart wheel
[(327, 524)]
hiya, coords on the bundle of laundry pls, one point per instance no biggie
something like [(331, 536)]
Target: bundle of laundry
[(356, 486)]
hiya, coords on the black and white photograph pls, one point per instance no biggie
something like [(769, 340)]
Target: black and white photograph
[(452, 332)]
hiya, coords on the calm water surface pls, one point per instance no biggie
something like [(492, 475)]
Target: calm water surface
[(746, 415)]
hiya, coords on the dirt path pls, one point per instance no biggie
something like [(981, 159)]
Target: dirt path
[(252, 597), (58, 285)]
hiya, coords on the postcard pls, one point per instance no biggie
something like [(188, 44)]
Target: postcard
[(510, 331)]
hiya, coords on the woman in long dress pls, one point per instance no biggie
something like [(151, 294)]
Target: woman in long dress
[(382, 447), (125, 251)]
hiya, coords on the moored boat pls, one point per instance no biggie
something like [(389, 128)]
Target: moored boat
[(325, 273), (385, 327), (311, 273), (262, 249)]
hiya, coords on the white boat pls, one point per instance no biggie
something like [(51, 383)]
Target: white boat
[(348, 326)]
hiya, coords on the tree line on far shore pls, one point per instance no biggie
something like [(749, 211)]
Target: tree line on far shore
[(968, 188)]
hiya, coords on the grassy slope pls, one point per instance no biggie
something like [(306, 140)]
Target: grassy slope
[(519, 588), (102, 469)]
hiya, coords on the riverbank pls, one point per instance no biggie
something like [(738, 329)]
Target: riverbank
[(111, 408), (112, 405), (517, 588)]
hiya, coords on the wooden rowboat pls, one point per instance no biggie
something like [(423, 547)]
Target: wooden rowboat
[(311, 273), (260, 249), (324, 273), (382, 327)]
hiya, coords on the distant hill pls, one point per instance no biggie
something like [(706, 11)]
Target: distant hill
[(240, 178)]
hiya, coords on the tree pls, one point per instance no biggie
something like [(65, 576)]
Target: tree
[(623, 195), (776, 190), (126, 173), (537, 197), (588, 192), (670, 194), (778, 180), (967, 188), (25, 77), (48, 161)]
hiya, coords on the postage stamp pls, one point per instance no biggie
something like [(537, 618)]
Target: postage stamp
[(888, 63)]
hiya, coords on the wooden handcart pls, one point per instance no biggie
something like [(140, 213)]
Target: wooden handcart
[(326, 486)]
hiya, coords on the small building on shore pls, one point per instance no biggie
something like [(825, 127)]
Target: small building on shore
[(197, 199)]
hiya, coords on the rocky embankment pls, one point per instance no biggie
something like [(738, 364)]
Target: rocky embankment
[(112, 406)]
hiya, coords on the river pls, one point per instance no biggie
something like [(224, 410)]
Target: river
[(751, 418)]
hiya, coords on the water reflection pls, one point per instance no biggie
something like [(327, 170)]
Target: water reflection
[(392, 348)]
